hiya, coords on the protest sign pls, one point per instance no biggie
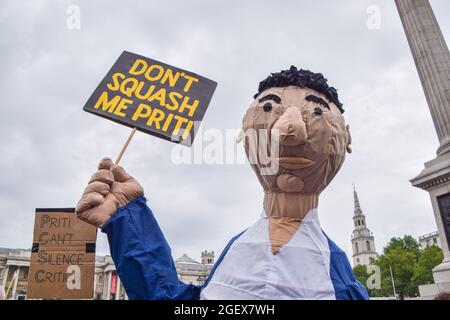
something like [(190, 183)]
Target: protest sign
[(62, 263), (153, 97)]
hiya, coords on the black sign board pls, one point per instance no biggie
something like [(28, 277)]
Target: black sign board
[(153, 97), (444, 209)]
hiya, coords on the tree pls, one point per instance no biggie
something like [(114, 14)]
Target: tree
[(362, 275), (429, 258), (407, 244), (410, 266), (402, 264)]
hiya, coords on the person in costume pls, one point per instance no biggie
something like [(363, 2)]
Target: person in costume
[(285, 254)]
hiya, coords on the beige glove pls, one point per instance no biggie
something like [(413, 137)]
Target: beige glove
[(109, 189)]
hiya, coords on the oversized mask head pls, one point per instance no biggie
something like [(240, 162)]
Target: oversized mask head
[(295, 138)]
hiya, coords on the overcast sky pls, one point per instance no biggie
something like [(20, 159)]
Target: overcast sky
[(50, 147)]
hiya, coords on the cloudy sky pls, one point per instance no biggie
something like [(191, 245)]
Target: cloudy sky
[(50, 147)]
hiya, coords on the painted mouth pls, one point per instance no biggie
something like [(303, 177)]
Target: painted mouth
[(294, 163)]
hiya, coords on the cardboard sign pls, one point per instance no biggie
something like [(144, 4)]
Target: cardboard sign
[(62, 261), (153, 97)]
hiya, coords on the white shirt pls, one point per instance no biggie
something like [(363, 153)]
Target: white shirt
[(249, 270)]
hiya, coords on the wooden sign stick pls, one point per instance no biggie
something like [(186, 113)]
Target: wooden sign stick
[(125, 146), (11, 283)]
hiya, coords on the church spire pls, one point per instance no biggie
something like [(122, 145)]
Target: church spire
[(362, 238), (358, 210)]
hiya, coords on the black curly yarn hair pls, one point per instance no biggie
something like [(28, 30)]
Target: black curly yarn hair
[(300, 78)]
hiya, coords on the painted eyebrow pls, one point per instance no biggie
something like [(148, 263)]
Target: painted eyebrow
[(273, 97), (317, 99)]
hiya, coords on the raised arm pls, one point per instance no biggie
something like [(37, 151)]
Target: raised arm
[(115, 202)]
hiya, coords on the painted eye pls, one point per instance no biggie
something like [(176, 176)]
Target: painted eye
[(318, 100), (318, 111), (267, 107)]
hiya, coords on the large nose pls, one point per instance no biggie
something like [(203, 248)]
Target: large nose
[(291, 128)]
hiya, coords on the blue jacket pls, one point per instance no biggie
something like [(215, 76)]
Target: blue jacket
[(145, 266)]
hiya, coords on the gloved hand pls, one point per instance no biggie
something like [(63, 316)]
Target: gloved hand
[(109, 189)]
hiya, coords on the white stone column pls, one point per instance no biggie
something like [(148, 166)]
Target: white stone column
[(5, 277), (108, 289), (117, 297), (104, 285), (95, 285), (432, 59), (16, 280)]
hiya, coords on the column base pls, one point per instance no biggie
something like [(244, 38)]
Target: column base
[(441, 276), (441, 273), (435, 179), (430, 291)]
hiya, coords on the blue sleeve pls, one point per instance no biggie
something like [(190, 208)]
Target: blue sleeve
[(345, 285), (143, 257)]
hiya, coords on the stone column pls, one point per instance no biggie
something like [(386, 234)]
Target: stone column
[(104, 285), (95, 285), (108, 289), (432, 59), (117, 296), (5, 277)]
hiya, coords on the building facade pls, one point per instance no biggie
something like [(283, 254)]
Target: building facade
[(15, 263), (194, 272), (363, 243), (430, 239)]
